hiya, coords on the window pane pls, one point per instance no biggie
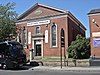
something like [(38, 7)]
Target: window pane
[(53, 35), (24, 38), (37, 30)]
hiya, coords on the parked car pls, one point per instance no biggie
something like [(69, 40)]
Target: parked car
[(12, 55)]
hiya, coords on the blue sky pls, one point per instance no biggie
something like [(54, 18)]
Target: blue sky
[(79, 8)]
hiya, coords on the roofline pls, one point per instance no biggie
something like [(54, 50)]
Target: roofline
[(27, 11), (42, 6), (63, 11), (94, 11), (76, 20), (92, 14), (52, 7), (70, 14), (40, 17)]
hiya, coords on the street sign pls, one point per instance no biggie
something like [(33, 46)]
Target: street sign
[(62, 38)]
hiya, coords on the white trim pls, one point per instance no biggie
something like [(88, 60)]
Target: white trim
[(33, 45), (20, 22), (52, 8), (94, 14), (60, 16), (29, 37), (42, 48), (43, 18), (46, 36), (38, 38)]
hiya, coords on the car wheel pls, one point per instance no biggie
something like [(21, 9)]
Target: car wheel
[(4, 67)]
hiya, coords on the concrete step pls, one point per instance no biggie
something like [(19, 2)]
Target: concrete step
[(95, 62), (37, 58)]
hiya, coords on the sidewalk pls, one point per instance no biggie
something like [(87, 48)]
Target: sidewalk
[(49, 68)]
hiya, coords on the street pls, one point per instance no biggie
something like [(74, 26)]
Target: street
[(36, 72)]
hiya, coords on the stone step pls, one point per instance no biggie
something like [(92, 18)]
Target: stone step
[(37, 58), (95, 62)]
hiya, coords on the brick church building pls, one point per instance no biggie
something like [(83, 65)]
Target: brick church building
[(94, 20), (40, 27)]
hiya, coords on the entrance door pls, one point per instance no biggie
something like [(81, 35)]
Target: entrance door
[(38, 50)]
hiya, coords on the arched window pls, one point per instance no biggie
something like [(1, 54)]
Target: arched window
[(24, 38), (54, 35), (37, 30)]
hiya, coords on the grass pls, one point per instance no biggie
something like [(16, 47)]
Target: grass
[(58, 59), (53, 59)]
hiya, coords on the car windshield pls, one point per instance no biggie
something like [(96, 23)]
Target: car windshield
[(16, 49)]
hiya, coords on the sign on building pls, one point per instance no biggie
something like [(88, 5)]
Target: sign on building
[(46, 36), (96, 42), (96, 34), (38, 23), (29, 37)]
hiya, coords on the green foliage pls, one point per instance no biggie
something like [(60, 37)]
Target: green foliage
[(7, 20), (80, 48)]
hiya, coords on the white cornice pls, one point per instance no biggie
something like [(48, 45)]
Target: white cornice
[(52, 7), (93, 14), (43, 18)]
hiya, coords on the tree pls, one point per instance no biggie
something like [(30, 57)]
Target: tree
[(80, 48), (7, 20)]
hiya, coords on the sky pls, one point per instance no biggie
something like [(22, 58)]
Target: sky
[(79, 8)]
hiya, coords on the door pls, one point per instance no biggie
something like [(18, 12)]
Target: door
[(38, 50)]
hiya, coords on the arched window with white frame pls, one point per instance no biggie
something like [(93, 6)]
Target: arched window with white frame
[(54, 35), (37, 30)]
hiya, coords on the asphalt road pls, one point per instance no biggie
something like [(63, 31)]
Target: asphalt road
[(34, 72), (26, 71)]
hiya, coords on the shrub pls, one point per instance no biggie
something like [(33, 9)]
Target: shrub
[(80, 48)]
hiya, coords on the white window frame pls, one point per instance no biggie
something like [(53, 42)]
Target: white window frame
[(51, 36), (36, 30), (25, 43)]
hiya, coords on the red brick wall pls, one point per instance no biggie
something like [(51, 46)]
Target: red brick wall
[(47, 49), (73, 31), (93, 28), (64, 22), (55, 51), (61, 22)]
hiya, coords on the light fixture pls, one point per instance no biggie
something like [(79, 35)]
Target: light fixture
[(95, 23), (93, 20)]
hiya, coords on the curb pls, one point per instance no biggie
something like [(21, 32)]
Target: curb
[(64, 69), (67, 70)]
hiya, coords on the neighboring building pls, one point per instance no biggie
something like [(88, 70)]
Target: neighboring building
[(94, 20), (40, 26)]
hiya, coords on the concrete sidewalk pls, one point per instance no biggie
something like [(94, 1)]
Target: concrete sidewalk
[(49, 68)]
